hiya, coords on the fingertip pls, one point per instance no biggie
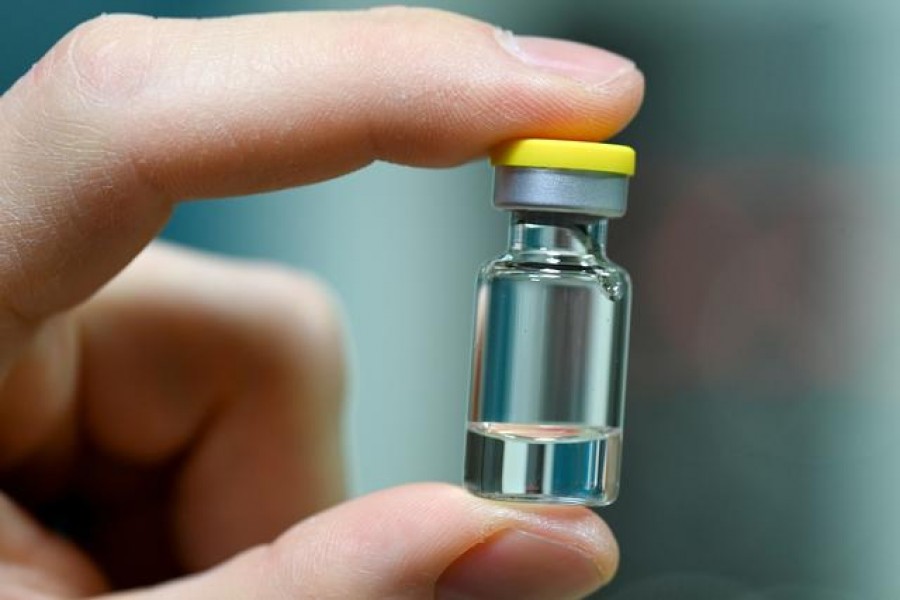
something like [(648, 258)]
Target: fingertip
[(518, 565), (439, 535), (576, 527)]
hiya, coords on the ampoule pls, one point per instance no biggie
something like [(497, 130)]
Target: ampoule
[(551, 329)]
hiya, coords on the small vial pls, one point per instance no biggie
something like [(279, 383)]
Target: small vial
[(551, 329)]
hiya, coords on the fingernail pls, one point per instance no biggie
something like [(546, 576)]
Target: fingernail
[(581, 62), (520, 565)]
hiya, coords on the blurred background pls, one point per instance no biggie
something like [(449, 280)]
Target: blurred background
[(762, 456)]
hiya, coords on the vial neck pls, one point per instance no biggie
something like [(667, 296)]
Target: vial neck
[(557, 238)]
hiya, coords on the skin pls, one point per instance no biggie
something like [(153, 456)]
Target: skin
[(177, 414)]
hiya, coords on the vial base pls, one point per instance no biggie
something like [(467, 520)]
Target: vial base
[(546, 463)]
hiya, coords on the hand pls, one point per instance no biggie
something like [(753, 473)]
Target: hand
[(180, 412)]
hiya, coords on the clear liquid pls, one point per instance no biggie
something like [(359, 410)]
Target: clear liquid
[(562, 464), (550, 346)]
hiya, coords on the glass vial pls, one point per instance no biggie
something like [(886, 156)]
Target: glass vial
[(551, 330)]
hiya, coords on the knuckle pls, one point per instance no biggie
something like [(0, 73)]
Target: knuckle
[(305, 309), (105, 59), (307, 334)]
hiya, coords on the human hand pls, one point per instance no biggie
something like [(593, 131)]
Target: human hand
[(180, 415)]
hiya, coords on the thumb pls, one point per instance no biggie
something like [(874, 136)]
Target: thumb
[(418, 541)]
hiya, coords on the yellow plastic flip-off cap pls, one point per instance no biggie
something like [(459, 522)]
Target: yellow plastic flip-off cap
[(585, 178), (565, 154)]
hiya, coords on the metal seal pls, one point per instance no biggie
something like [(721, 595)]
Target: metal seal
[(561, 190)]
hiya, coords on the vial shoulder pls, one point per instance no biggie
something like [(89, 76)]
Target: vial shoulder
[(619, 271), (613, 278), (510, 264)]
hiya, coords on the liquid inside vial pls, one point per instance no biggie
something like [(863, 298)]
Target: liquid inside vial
[(544, 462), (546, 415)]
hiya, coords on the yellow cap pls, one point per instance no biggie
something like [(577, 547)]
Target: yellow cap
[(565, 154)]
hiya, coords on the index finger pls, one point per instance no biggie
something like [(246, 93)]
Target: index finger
[(128, 114)]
